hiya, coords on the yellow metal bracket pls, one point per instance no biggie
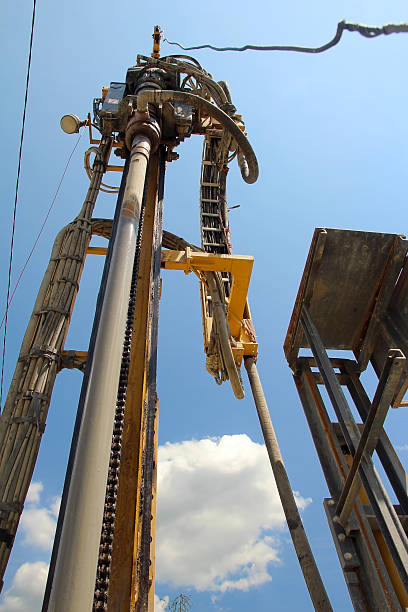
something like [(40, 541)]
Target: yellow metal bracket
[(240, 268)]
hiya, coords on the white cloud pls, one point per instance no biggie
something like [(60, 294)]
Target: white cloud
[(38, 522), (34, 491), (217, 507), (160, 604), (219, 521), (27, 589), (404, 447), (55, 506), (38, 525)]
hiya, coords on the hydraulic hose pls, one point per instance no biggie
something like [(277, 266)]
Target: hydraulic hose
[(248, 164), (200, 74)]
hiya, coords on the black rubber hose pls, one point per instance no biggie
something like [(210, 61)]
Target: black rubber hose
[(249, 165)]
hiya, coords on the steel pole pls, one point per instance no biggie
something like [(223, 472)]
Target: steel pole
[(74, 579), (304, 553)]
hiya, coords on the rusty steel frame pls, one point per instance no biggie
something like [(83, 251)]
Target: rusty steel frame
[(385, 513), (365, 573), (369, 531)]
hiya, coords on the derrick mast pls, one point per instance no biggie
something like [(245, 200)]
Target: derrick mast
[(103, 554)]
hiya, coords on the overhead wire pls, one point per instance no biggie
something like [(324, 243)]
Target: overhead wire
[(41, 229), (16, 196), (364, 30)]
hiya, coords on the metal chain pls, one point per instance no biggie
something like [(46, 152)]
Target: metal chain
[(108, 524)]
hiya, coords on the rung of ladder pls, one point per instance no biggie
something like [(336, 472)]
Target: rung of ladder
[(211, 229), (209, 200), (208, 163), (205, 184), (206, 214), (213, 244)]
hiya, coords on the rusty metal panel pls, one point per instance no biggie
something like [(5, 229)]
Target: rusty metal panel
[(343, 286)]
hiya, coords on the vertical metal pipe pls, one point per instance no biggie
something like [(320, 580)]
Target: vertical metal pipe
[(304, 553), (74, 578)]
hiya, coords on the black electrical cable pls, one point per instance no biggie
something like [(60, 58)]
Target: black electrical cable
[(41, 230), (16, 198), (364, 30)]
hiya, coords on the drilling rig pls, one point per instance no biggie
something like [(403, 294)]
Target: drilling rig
[(103, 556), (104, 550)]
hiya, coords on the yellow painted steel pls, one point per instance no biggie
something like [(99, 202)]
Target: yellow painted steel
[(156, 42), (96, 250), (240, 268), (391, 569), (124, 577), (152, 569), (384, 550)]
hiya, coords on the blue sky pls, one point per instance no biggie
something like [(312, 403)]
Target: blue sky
[(330, 133)]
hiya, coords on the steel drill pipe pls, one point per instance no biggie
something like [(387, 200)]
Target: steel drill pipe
[(75, 570), (304, 553), (23, 419)]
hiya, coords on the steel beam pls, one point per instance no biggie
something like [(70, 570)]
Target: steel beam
[(364, 570), (334, 390), (128, 498), (371, 432), (387, 518), (388, 457)]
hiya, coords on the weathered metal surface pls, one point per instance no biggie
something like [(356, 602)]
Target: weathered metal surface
[(392, 332), (369, 584), (143, 573), (371, 432), (121, 589), (353, 296), (350, 283), (389, 458), (392, 531)]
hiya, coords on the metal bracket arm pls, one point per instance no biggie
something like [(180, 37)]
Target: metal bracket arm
[(239, 266)]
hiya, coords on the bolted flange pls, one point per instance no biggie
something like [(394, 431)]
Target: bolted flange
[(143, 124)]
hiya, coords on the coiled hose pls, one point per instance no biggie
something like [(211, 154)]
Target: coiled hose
[(246, 159)]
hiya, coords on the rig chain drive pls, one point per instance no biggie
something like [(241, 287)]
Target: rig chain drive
[(108, 525)]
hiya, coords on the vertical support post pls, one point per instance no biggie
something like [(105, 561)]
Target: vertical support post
[(304, 553), (143, 567), (74, 578), (125, 582), (388, 521), (364, 571)]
